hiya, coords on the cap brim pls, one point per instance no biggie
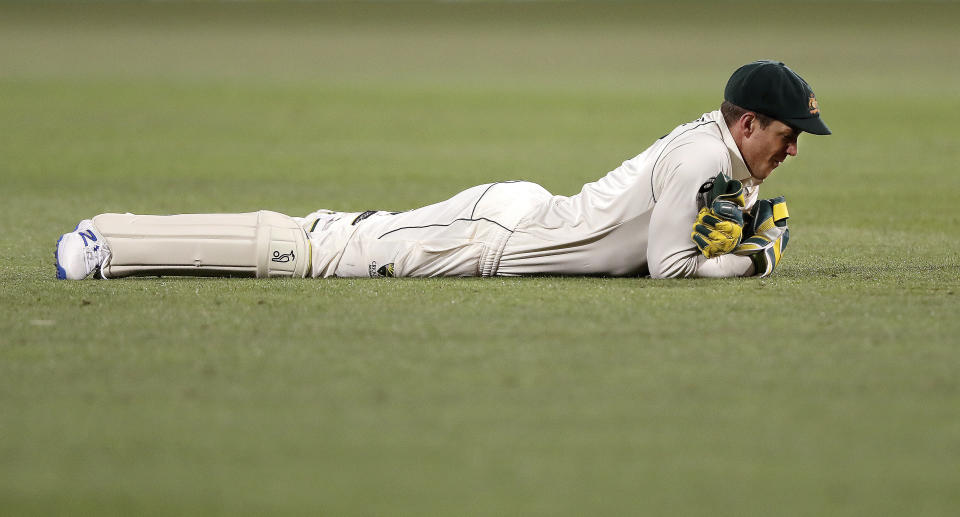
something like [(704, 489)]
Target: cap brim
[(813, 125)]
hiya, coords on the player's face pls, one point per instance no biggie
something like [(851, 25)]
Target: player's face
[(765, 148)]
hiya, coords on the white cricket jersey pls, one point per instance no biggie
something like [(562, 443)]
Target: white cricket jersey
[(638, 218)]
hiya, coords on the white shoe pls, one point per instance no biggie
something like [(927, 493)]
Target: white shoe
[(81, 252)]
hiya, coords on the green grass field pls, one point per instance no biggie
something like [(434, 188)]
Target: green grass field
[(831, 388)]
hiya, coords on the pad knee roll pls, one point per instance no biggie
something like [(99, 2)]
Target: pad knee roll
[(257, 244)]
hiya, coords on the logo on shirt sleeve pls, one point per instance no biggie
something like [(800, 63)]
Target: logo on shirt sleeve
[(385, 270)]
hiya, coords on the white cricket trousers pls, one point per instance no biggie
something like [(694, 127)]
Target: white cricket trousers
[(462, 236)]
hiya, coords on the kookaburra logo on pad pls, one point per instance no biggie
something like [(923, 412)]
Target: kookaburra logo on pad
[(283, 257)]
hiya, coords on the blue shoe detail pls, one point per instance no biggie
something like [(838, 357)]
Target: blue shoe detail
[(87, 235), (61, 273)]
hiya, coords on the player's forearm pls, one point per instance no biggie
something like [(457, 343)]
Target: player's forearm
[(689, 263), (724, 266)]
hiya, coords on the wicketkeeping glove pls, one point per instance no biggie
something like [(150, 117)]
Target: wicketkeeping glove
[(719, 224), (766, 235)]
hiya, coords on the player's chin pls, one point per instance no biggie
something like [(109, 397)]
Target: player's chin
[(764, 173), (771, 167)]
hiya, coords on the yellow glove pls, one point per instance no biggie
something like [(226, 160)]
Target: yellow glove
[(719, 225), (767, 235)]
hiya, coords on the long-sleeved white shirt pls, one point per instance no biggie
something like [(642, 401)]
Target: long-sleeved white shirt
[(638, 218)]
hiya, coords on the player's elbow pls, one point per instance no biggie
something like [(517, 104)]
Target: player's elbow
[(673, 267), (668, 274)]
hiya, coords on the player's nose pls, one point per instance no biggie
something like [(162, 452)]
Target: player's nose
[(792, 148)]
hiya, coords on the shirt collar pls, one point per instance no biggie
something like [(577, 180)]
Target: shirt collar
[(738, 167)]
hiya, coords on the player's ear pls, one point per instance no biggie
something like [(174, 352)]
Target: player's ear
[(748, 123)]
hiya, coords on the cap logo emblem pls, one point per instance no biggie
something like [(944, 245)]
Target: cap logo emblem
[(812, 104)]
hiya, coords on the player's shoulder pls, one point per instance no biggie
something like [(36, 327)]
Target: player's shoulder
[(703, 134), (696, 145)]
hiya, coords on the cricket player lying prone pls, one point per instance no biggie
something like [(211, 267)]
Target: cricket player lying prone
[(686, 207)]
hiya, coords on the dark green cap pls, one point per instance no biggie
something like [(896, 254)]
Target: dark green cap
[(770, 88)]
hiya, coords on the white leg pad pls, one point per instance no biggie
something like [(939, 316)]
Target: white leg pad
[(257, 244)]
